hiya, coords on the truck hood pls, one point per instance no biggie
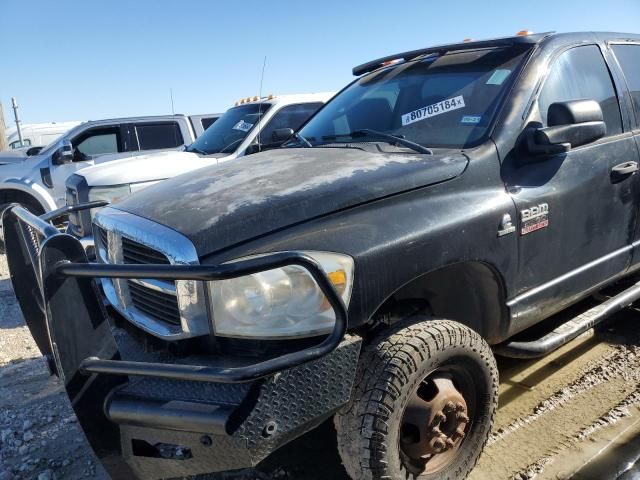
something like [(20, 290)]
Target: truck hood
[(143, 168), (223, 205), (12, 157)]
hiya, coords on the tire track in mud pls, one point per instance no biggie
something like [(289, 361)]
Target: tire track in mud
[(614, 365), (613, 416), (601, 394)]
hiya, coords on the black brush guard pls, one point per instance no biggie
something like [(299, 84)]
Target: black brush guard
[(136, 432)]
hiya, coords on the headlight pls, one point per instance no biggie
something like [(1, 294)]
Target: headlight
[(109, 194), (115, 194), (280, 303)]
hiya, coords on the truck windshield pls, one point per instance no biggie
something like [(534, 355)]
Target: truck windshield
[(228, 132), (446, 101)]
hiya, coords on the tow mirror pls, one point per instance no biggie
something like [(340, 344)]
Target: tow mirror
[(280, 135), (570, 124), (64, 154)]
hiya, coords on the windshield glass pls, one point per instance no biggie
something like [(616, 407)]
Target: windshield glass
[(228, 132), (437, 101)]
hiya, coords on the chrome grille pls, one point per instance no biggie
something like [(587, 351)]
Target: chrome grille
[(134, 252), (159, 305), (171, 310), (102, 237), (154, 302)]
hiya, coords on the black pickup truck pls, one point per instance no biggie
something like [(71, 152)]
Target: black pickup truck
[(441, 206)]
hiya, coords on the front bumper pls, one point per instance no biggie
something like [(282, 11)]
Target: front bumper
[(153, 415)]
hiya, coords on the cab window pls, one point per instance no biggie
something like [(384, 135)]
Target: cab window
[(25, 143), (96, 142), (291, 116), (629, 59), (154, 136), (578, 74)]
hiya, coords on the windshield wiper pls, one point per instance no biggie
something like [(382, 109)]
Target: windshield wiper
[(302, 140), (193, 149), (392, 139)]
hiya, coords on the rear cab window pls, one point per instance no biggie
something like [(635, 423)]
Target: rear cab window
[(578, 74), (153, 136), (628, 57), (208, 121)]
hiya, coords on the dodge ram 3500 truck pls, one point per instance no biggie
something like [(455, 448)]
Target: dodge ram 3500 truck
[(252, 125), (434, 210)]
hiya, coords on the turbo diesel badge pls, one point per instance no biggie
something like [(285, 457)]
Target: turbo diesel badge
[(534, 218)]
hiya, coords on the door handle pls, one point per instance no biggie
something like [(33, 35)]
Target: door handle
[(624, 169)]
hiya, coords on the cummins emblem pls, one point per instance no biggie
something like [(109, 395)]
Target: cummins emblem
[(534, 218), (506, 226)]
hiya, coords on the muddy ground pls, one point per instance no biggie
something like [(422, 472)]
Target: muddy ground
[(574, 414)]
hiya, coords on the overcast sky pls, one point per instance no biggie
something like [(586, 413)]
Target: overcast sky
[(81, 60)]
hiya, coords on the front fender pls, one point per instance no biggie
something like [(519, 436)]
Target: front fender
[(31, 188)]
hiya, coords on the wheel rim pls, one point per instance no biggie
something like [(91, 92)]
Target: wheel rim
[(436, 421)]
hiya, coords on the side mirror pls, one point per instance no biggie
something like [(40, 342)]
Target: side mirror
[(64, 154), (280, 135), (251, 149), (34, 151), (571, 124)]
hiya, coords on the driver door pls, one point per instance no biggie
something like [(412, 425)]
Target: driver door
[(576, 217), (86, 146)]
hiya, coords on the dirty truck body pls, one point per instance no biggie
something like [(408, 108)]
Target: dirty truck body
[(351, 273)]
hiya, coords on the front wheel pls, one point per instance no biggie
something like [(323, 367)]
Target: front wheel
[(423, 405)]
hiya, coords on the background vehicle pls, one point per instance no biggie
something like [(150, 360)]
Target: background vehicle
[(245, 129), (38, 181), (37, 134), (449, 199)]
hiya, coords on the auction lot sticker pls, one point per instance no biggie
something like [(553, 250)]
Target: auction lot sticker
[(243, 126), (432, 110)]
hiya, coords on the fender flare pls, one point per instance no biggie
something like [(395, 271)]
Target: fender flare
[(34, 190)]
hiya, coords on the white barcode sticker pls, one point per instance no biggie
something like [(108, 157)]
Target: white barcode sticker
[(432, 110), (243, 126)]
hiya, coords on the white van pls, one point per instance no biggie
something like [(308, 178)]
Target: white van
[(37, 134), (248, 127)]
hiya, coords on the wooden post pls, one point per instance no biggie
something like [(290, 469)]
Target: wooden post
[(3, 131)]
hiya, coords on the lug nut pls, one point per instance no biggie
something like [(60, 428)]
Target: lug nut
[(459, 407), (450, 443), (438, 444), (459, 433), (439, 418), (462, 418), (449, 407)]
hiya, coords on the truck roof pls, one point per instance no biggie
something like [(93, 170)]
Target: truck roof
[(523, 38)]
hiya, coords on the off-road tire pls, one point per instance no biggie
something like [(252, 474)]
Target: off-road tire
[(390, 368)]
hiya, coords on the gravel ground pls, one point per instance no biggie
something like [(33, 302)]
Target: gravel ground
[(574, 414)]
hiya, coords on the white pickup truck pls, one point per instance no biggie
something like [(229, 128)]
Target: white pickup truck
[(38, 182), (249, 127)]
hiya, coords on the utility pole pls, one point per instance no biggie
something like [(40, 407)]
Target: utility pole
[(14, 104), (3, 131)]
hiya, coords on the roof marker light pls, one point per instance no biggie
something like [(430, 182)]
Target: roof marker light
[(524, 33), (467, 40)]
